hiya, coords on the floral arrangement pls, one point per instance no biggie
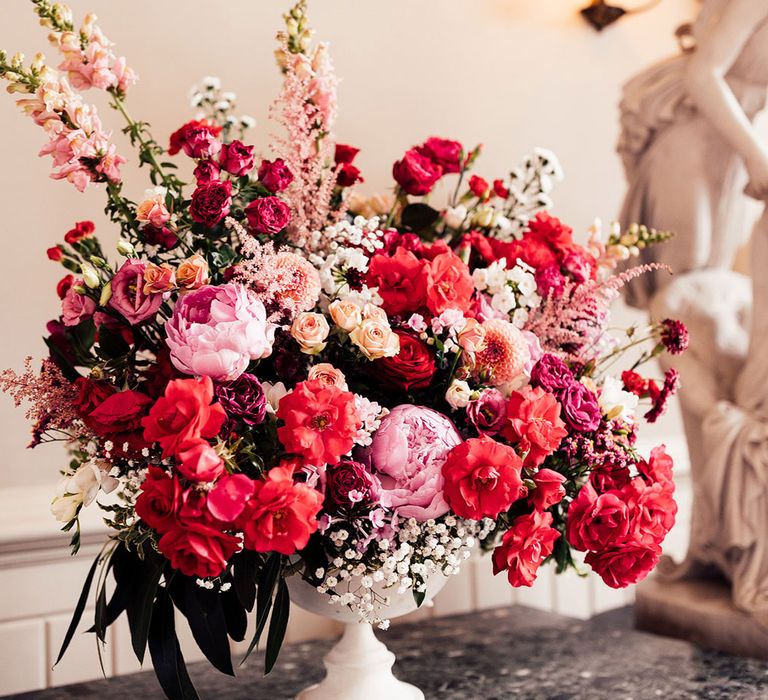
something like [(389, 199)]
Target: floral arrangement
[(275, 375)]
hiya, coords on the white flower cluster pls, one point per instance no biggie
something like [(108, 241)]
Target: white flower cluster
[(512, 291), (364, 581), (215, 104), (370, 414), (342, 252)]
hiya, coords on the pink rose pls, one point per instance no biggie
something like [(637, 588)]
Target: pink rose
[(216, 332), (75, 307), (275, 175), (236, 158), (268, 215), (408, 451), (128, 296)]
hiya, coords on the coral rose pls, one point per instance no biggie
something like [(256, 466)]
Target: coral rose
[(622, 566), (527, 543), (401, 280), (320, 422), (193, 273), (482, 478), (449, 284), (328, 374), (183, 414), (281, 514)]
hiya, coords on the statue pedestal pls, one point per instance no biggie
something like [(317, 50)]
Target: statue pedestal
[(700, 612)]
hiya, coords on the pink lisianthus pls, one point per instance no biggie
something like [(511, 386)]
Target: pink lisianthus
[(75, 307), (216, 331), (408, 451), (128, 296)]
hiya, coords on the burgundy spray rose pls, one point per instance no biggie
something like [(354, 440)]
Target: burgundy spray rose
[(275, 175), (416, 173), (551, 374), (243, 399), (206, 171), (580, 408), (211, 202), (348, 486), (443, 152), (236, 158), (268, 215)]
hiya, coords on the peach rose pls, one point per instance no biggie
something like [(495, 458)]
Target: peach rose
[(310, 331), (345, 314), (193, 273), (375, 339), (472, 339), (329, 375), (374, 312), (153, 211), (158, 278)]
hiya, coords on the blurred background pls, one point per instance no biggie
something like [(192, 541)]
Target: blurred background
[(510, 74)]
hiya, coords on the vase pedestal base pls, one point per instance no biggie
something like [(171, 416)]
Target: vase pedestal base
[(359, 667)]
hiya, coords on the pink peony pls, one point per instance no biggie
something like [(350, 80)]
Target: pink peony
[(217, 331), (128, 296), (408, 451)]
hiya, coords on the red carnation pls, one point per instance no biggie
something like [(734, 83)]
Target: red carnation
[(198, 550), (500, 189), (411, 369), (64, 285), (320, 422), (183, 414), (482, 478), (528, 542), (211, 202), (401, 279), (416, 173), (158, 503), (281, 514), (479, 187), (81, 230), (533, 423), (449, 284), (55, 253)]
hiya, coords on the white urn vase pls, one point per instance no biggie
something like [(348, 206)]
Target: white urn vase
[(359, 667)]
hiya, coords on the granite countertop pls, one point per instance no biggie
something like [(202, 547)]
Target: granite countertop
[(500, 654)]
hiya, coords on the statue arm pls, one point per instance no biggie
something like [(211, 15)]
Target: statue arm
[(716, 52)]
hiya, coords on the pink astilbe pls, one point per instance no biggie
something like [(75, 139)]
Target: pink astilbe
[(285, 282), (51, 398), (306, 109)]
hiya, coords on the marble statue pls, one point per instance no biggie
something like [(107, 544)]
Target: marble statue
[(691, 153)]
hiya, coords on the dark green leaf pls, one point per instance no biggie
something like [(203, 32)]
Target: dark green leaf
[(78, 613), (139, 608), (267, 581), (245, 571), (277, 625), (234, 614), (418, 597), (419, 216)]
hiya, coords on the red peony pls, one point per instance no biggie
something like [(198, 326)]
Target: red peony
[(198, 550), (275, 175), (524, 547), (401, 279), (416, 174), (412, 368), (197, 138), (183, 414), (597, 522), (533, 424), (268, 215), (320, 422), (449, 284), (211, 202), (281, 514), (158, 502), (198, 461), (549, 489), (443, 152), (482, 478), (82, 229), (624, 565)]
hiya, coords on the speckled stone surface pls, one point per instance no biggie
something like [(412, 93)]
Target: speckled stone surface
[(499, 654)]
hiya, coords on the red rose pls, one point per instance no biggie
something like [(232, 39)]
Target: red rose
[(211, 202), (443, 152), (622, 566), (344, 153), (533, 423), (531, 251), (549, 489), (658, 469), (348, 175), (479, 187), (653, 511), (81, 230), (90, 395), (449, 284), (236, 158), (227, 499), (281, 514), (275, 175), (119, 413), (320, 422), (401, 279), (197, 138), (610, 477), (158, 502), (500, 190), (528, 542), (198, 550), (54, 254), (64, 285), (411, 369), (596, 522), (268, 215), (183, 414), (159, 236), (415, 173), (198, 461), (482, 478), (206, 171)]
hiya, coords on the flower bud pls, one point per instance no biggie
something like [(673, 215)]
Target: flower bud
[(17, 61), (90, 276), (106, 294), (125, 248)]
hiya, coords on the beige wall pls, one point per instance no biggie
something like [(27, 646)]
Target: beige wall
[(512, 74)]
